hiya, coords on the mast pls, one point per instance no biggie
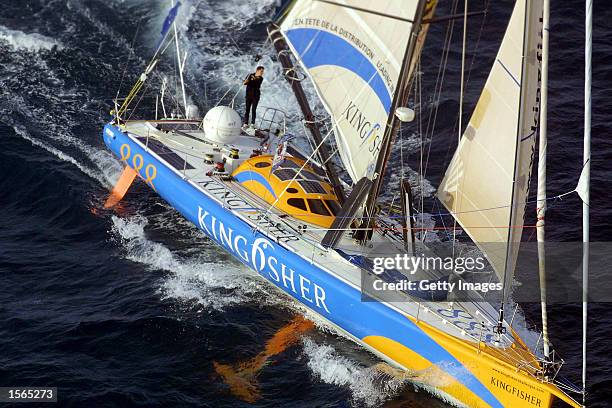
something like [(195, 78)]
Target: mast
[(587, 174), (541, 197), (281, 48), (181, 65), (400, 98)]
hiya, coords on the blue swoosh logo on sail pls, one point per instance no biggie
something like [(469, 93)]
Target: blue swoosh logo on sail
[(318, 47)]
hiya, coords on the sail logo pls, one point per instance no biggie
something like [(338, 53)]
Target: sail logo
[(537, 94), (258, 253), (368, 132), (535, 109)]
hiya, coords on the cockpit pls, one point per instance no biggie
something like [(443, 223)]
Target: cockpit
[(303, 194)]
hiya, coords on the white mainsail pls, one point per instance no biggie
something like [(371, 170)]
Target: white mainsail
[(353, 53), (487, 182)]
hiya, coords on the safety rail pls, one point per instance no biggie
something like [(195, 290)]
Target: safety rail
[(273, 121)]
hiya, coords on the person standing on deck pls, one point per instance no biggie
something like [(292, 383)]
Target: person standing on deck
[(253, 83)]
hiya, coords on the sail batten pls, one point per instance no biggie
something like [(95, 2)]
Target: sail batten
[(487, 181), (353, 54)]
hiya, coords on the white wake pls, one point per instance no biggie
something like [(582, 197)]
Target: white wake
[(20, 40)]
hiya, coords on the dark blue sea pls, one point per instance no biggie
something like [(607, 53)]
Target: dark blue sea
[(132, 307)]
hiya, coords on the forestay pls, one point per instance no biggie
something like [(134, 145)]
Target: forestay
[(352, 52), (487, 182)]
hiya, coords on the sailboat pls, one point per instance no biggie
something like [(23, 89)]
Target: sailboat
[(289, 213)]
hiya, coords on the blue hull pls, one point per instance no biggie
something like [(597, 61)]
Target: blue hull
[(319, 290)]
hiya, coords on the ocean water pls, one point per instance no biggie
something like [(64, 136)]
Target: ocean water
[(133, 307)]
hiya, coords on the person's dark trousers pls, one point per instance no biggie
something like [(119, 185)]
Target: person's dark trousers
[(251, 105)]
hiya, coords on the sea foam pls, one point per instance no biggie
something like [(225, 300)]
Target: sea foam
[(20, 40)]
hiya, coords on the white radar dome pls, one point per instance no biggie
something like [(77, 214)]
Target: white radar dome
[(222, 125)]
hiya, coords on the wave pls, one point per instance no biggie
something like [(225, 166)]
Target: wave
[(369, 386), (195, 275), (97, 174), (28, 41)]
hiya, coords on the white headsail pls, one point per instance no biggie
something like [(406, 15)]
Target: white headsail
[(353, 53), (487, 182)]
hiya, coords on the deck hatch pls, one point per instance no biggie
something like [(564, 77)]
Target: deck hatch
[(289, 164), (285, 174), (166, 153), (312, 187), (309, 175), (170, 126)]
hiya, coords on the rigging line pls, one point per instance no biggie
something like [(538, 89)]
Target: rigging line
[(473, 59), (557, 197), (367, 11), (467, 81), (469, 73), (443, 56), (439, 86), (422, 192), (234, 99), (138, 85), (401, 144), (138, 102), (477, 45), (445, 214), (235, 43), (128, 59), (226, 92), (442, 219), (441, 215), (442, 228), (419, 91), (465, 9), (180, 64), (154, 75)]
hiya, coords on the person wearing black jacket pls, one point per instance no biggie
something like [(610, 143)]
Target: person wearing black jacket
[(253, 83)]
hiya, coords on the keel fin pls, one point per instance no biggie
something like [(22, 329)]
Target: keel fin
[(121, 187), (242, 377)]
